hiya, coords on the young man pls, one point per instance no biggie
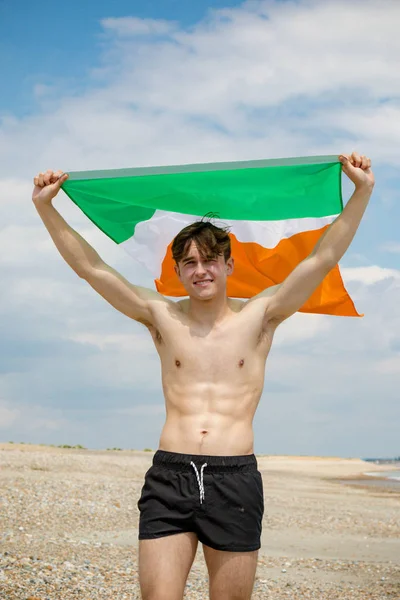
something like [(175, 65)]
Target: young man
[(204, 484)]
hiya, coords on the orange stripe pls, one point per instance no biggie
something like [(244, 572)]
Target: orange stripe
[(257, 268)]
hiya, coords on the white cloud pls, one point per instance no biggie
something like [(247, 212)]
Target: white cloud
[(28, 417), (238, 85), (301, 327), (120, 342), (24, 245), (44, 292), (374, 127), (15, 201), (369, 275)]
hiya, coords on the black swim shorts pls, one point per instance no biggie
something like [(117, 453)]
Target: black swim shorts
[(220, 498)]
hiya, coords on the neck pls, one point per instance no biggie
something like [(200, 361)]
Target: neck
[(209, 312)]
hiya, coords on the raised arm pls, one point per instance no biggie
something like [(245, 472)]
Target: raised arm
[(288, 297), (131, 300)]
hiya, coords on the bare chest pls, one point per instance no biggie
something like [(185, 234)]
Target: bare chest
[(233, 351), (212, 353)]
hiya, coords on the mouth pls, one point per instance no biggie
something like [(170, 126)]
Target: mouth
[(203, 282)]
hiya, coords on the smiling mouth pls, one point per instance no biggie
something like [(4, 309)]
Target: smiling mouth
[(203, 282)]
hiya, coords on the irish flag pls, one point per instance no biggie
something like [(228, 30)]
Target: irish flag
[(276, 210)]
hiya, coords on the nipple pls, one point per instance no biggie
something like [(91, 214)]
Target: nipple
[(241, 362), (178, 363)]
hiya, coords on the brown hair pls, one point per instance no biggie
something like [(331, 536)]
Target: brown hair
[(211, 241)]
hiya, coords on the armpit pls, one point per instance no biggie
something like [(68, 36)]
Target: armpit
[(155, 334)]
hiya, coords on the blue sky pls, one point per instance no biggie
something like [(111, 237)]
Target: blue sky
[(104, 85), (43, 41)]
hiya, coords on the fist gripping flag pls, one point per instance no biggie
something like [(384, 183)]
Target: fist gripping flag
[(276, 210)]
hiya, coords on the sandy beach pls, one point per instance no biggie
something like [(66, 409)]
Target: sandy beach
[(68, 528)]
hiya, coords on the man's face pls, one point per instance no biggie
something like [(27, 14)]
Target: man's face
[(202, 277)]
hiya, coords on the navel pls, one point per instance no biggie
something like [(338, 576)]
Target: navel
[(241, 362), (178, 363)]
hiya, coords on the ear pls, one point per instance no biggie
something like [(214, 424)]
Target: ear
[(176, 269), (230, 263)]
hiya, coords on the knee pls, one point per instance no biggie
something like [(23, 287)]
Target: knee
[(232, 596), (161, 594)]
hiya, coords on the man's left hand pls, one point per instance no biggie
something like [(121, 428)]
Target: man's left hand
[(358, 169)]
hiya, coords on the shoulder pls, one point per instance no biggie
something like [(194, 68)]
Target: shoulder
[(236, 304), (165, 309), (182, 305), (267, 293), (260, 306), (164, 312), (262, 300)]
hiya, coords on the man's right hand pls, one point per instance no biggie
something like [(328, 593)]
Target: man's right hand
[(47, 186)]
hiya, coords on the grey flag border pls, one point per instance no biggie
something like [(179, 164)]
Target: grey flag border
[(202, 167)]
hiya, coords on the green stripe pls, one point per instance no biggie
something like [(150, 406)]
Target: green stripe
[(309, 187), (116, 219)]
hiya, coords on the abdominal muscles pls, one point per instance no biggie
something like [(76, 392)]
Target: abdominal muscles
[(206, 420), (211, 393)]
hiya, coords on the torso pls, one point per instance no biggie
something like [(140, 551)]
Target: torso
[(212, 377)]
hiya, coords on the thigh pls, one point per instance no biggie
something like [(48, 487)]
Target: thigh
[(231, 574), (164, 565)]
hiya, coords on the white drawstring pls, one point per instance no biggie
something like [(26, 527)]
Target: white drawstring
[(200, 479)]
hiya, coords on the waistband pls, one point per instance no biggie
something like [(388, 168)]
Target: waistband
[(215, 464)]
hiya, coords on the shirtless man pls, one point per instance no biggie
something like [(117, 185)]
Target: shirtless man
[(204, 484)]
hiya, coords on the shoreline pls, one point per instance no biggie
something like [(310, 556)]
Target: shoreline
[(367, 480)]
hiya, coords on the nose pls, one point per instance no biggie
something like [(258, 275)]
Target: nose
[(200, 268)]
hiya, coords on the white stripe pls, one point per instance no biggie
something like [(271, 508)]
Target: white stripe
[(149, 244)]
